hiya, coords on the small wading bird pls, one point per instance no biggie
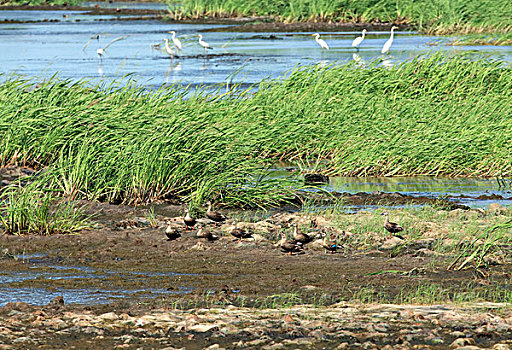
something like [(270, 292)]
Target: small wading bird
[(169, 50), (387, 45), (391, 227), (301, 237), (289, 246), (189, 220), (357, 41), (204, 44), (176, 41), (320, 42), (215, 216), (102, 51)]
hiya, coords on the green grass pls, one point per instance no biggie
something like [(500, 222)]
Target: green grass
[(431, 16), (431, 116), (27, 210)]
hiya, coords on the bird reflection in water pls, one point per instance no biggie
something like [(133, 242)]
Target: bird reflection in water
[(173, 68)]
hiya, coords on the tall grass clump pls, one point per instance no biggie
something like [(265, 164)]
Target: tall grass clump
[(427, 15), (28, 210)]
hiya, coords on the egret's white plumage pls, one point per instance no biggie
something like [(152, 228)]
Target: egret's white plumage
[(168, 49), (387, 45), (357, 41), (320, 42), (100, 51), (204, 44), (175, 40)]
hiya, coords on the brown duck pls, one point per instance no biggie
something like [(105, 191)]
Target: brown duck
[(240, 233), (204, 234), (391, 227), (301, 237), (329, 245), (290, 245), (172, 233), (189, 220), (215, 216)]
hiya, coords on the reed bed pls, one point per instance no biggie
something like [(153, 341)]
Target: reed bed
[(440, 16), (431, 116)]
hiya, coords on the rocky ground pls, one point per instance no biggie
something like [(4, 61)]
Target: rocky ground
[(340, 326)]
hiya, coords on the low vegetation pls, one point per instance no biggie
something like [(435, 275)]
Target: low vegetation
[(430, 116), (440, 16)]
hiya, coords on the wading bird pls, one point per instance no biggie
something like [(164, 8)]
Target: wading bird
[(176, 41), (204, 44), (189, 220), (101, 51), (387, 45), (169, 50), (215, 216), (391, 227), (357, 41), (320, 42)]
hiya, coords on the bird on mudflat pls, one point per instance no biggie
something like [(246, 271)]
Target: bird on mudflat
[(215, 216), (391, 227), (329, 245), (289, 245), (189, 220), (205, 234), (301, 237), (172, 233), (240, 233)]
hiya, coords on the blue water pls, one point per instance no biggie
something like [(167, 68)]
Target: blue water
[(44, 49)]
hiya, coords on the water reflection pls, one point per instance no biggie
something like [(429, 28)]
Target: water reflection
[(55, 48)]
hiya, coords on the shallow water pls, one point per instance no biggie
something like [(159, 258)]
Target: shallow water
[(43, 49), (39, 268)]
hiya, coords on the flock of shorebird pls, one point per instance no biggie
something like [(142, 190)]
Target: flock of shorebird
[(289, 246), (178, 46)]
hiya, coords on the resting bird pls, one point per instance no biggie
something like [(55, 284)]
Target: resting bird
[(172, 233), (357, 41), (329, 245), (240, 233), (289, 245), (205, 235), (214, 215), (391, 227), (189, 220), (303, 238)]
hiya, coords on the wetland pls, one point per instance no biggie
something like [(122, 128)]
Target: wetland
[(99, 156)]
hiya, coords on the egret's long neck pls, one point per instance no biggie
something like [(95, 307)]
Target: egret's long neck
[(167, 45), (392, 33), (364, 33)]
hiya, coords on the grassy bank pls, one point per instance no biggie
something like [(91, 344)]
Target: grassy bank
[(441, 16), (431, 116)]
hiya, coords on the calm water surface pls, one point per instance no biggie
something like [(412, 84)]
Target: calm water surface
[(43, 49)]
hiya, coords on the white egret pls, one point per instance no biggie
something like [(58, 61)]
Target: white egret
[(100, 51), (357, 41), (176, 41), (320, 42), (387, 45), (168, 49), (204, 44)]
